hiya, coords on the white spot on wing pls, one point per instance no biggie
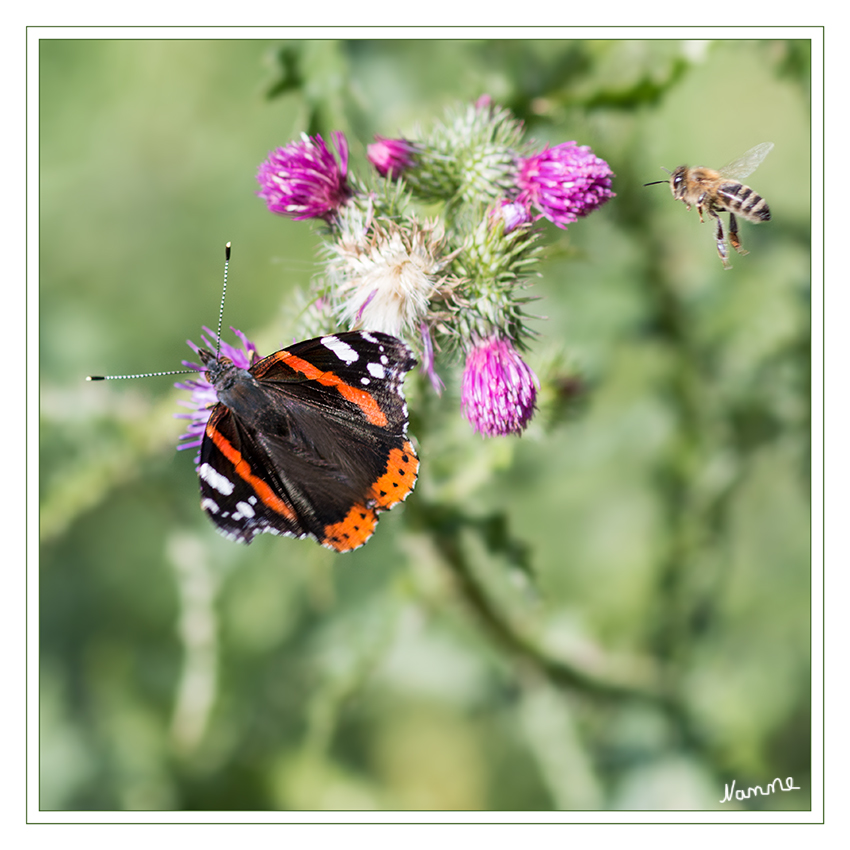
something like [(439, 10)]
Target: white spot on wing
[(376, 371), (342, 349), (215, 479), (243, 509)]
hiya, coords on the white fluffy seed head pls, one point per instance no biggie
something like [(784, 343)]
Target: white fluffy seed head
[(384, 277)]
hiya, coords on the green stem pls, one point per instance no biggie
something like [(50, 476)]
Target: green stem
[(562, 673)]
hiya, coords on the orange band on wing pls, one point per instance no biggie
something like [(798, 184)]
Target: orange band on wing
[(396, 483), (365, 401), (243, 470), (351, 531)]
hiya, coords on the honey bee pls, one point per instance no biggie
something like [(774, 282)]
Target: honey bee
[(722, 191)]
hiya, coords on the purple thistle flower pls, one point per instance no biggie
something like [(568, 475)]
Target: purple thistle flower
[(391, 157), (565, 182), (513, 213), (499, 390), (304, 180), (428, 359), (203, 392)]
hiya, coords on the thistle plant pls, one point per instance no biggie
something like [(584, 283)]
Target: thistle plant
[(453, 284), (303, 179)]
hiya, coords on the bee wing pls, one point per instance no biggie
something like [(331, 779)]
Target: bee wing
[(745, 165)]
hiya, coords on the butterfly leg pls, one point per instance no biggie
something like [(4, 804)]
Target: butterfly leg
[(733, 234)]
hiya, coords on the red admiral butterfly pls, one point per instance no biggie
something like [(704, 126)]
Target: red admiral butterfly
[(311, 440)]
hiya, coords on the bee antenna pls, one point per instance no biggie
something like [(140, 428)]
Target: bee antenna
[(654, 182)]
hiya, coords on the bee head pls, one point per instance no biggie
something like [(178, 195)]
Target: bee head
[(678, 181)]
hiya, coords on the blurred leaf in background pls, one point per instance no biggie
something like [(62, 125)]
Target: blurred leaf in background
[(609, 613)]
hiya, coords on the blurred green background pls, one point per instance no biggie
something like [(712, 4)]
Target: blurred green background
[(611, 612)]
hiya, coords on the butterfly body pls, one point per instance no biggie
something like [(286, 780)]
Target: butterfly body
[(310, 441)]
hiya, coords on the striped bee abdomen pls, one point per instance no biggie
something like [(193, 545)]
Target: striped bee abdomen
[(742, 200)]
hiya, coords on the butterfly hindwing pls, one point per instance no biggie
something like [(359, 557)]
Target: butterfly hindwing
[(235, 493)]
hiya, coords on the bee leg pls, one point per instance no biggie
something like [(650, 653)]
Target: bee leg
[(733, 234), (721, 243)]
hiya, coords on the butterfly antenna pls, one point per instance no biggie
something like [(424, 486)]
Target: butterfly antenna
[(221, 306), (177, 371), (141, 375)]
